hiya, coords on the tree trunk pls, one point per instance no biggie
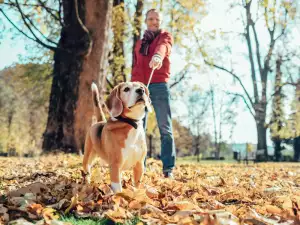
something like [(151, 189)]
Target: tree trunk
[(212, 95), (262, 141), (277, 149), (197, 149), (137, 24), (297, 149), (78, 61), (277, 111), (150, 145), (10, 115)]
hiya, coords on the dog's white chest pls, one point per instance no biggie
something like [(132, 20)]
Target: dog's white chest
[(132, 153)]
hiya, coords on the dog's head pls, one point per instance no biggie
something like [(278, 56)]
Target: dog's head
[(129, 99)]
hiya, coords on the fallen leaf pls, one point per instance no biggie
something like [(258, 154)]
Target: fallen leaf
[(135, 205), (152, 192), (184, 205), (74, 201), (49, 214), (35, 209), (36, 188), (4, 217)]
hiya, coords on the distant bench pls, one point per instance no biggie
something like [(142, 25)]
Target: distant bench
[(250, 156)]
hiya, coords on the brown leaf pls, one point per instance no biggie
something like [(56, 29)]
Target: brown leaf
[(49, 214), (20, 221), (4, 217), (135, 205), (152, 192), (74, 201), (183, 205), (36, 188), (273, 209), (210, 191), (35, 209), (63, 203), (118, 215)]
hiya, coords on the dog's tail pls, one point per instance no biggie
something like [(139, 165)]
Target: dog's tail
[(98, 112)]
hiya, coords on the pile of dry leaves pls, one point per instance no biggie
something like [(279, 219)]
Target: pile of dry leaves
[(41, 189)]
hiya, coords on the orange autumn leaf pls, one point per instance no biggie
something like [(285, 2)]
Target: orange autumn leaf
[(35, 209)]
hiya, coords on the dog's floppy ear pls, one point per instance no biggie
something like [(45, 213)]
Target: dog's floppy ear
[(114, 103), (148, 100)]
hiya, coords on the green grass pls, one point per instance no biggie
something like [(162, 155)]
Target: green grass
[(91, 221)]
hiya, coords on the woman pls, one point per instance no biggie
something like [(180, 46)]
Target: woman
[(153, 51)]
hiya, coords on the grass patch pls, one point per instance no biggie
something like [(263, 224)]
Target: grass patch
[(93, 221)]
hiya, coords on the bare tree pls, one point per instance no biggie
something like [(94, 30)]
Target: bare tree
[(260, 65)]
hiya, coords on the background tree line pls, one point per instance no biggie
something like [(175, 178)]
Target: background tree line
[(45, 102)]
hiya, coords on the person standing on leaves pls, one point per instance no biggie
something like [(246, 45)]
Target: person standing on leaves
[(153, 51)]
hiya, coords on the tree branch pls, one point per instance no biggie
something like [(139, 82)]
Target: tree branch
[(257, 47), (16, 26), (249, 45), (183, 74), (58, 18), (32, 24), (245, 101), (60, 12), (30, 5), (28, 26), (236, 77), (284, 28)]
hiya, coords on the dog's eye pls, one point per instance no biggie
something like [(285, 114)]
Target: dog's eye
[(126, 89)]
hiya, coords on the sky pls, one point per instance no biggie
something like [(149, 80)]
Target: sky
[(245, 129), (218, 19)]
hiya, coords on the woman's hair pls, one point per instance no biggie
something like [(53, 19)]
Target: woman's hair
[(152, 10)]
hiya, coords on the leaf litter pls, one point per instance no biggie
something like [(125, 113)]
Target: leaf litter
[(39, 190)]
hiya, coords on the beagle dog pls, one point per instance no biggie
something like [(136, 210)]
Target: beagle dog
[(120, 142)]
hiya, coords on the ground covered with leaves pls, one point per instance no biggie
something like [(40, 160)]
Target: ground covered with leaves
[(46, 189)]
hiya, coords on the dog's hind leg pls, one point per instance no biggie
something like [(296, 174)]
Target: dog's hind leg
[(88, 157), (138, 171), (115, 177)]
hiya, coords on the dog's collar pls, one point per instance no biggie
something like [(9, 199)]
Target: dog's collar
[(131, 122)]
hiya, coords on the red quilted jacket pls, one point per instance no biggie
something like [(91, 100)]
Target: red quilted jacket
[(161, 45)]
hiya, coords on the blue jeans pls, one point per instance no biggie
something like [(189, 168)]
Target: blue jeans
[(160, 97)]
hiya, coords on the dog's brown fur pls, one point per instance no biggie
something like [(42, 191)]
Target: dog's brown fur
[(107, 139)]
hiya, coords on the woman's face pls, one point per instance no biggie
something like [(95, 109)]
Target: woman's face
[(153, 21)]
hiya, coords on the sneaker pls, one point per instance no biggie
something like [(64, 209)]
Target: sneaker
[(168, 175)]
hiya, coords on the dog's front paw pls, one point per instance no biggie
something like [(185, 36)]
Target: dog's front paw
[(86, 177), (116, 187), (137, 184)]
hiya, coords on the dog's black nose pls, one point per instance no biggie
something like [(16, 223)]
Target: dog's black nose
[(140, 91)]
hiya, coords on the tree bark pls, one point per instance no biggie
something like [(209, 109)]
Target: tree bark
[(277, 114), (296, 149), (137, 25), (78, 61), (212, 96), (262, 140), (277, 149), (150, 145)]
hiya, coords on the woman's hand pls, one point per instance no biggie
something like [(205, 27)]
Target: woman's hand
[(156, 62)]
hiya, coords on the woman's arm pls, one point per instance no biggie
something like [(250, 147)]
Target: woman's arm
[(164, 45)]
